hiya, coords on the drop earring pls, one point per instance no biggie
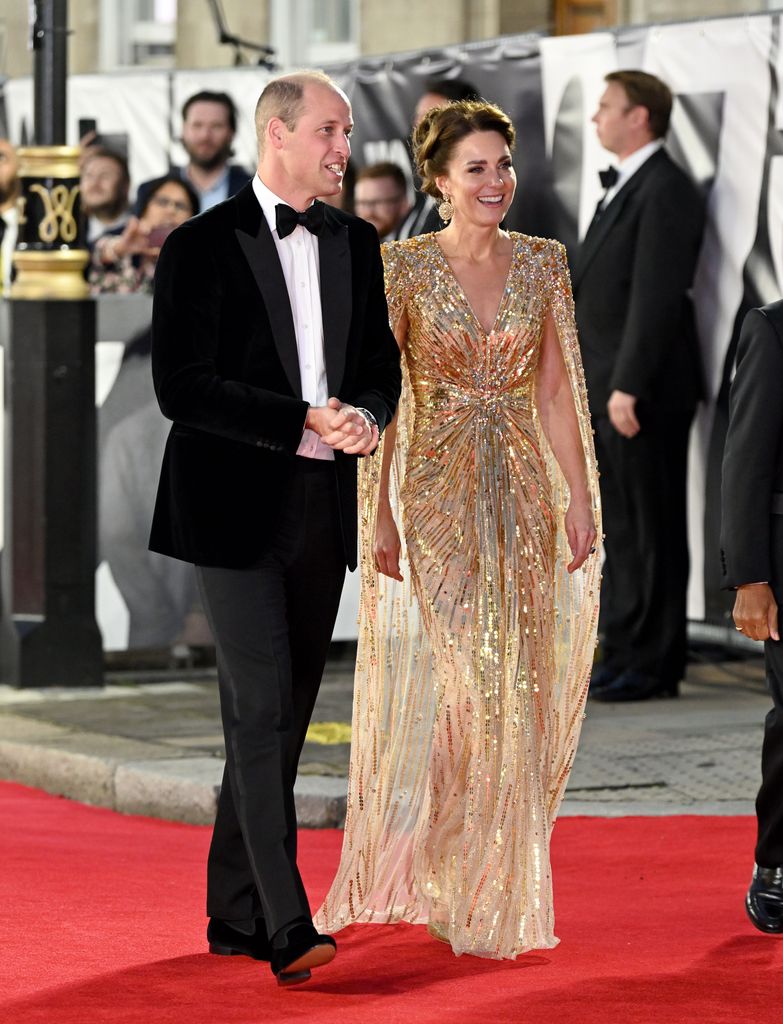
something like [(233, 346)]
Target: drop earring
[(446, 209)]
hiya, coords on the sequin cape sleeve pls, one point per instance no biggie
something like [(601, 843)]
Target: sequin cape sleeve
[(575, 594), (394, 705)]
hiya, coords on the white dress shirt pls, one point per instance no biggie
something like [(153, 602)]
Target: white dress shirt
[(298, 254), (630, 166)]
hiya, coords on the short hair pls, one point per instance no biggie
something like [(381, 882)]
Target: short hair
[(384, 169), (442, 128), (644, 90), (93, 152), (207, 96), (283, 97), (157, 184), (452, 89)]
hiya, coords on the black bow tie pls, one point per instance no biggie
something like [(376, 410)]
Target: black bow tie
[(287, 219), (609, 177)]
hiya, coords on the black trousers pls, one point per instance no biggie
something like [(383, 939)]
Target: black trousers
[(769, 802), (645, 579), (272, 626)]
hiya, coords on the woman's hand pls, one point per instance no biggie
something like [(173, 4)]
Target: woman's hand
[(386, 549), (580, 530), (134, 241)]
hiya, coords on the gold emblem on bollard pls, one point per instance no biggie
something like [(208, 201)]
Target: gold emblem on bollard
[(58, 220), (50, 256)]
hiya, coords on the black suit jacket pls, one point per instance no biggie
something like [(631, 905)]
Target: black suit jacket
[(238, 177), (752, 490), (631, 282), (226, 370)]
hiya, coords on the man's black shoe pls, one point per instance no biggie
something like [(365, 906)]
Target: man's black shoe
[(304, 949), (764, 902), (601, 677), (227, 941), (631, 685)]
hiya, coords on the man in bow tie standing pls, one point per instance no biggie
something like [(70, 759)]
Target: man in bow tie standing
[(273, 356), (632, 280)]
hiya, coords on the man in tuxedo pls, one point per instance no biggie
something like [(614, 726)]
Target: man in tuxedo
[(273, 356), (752, 562), (631, 281)]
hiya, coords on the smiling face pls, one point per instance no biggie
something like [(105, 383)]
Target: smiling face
[(480, 179), (309, 159), (103, 187)]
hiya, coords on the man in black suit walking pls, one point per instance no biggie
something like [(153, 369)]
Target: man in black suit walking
[(752, 555), (273, 356), (631, 284)]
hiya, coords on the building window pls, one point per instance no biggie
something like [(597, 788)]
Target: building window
[(137, 33), (314, 32)]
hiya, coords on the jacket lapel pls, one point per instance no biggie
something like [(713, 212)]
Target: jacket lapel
[(599, 229), (334, 258), (258, 246)]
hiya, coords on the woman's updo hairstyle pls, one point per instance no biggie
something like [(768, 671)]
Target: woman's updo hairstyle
[(441, 129)]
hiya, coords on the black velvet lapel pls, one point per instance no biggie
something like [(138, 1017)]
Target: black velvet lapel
[(599, 229), (261, 253), (334, 258)]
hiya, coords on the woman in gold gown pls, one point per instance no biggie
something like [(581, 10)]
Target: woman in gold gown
[(476, 631)]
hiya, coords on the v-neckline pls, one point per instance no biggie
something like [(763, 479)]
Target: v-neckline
[(463, 293)]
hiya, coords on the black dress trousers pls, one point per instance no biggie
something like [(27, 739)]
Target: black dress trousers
[(643, 496), (273, 624), (769, 802)]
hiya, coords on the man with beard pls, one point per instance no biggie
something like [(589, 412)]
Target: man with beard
[(209, 123), (105, 182), (9, 213), (381, 197)]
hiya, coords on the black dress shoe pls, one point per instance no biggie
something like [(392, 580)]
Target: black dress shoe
[(631, 685), (601, 677), (764, 902), (304, 949), (227, 941)]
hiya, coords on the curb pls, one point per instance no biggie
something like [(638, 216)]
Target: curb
[(180, 789)]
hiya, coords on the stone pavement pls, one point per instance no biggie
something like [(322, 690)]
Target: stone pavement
[(156, 748)]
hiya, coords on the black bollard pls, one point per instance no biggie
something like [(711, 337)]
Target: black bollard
[(49, 635)]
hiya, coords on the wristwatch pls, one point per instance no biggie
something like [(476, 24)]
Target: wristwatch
[(368, 416)]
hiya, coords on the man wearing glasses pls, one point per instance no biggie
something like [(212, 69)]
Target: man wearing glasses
[(381, 197)]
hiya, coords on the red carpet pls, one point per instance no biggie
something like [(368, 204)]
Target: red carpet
[(102, 921)]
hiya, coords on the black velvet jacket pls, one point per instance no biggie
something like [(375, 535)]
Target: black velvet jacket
[(226, 371)]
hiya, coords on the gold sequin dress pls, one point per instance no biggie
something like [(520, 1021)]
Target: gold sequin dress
[(472, 674)]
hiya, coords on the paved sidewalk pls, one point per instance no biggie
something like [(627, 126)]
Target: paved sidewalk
[(156, 748)]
